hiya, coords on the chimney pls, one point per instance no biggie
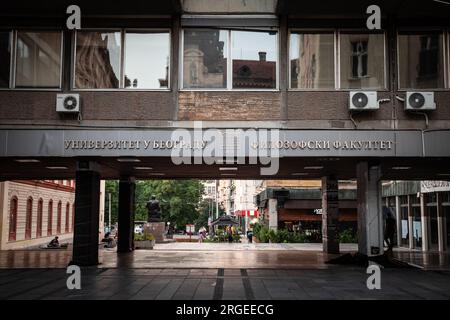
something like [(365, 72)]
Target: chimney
[(262, 56)]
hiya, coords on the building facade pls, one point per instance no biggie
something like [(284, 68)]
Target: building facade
[(296, 205), (142, 75), (33, 212), (423, 213)]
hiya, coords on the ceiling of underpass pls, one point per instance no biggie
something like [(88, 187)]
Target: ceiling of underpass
[(352, 8), (163, 168)]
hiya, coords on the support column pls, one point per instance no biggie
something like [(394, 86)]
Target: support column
[(330, 214), (273, 214), (127, 187), (87, 213), (425, 224), (370, 217), (398, 216), (441, 224), (410, 224)]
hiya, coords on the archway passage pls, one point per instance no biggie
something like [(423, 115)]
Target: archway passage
[(332, 156)]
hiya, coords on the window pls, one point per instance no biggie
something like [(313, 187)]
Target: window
[(38, 59), (147, 60), (39, 219), (421, 61), (5, 59), (207, 63), (254, 60), (13, 219), (312, 61), (58, 218), (50, 218), (122, 59), (205, 58), (67, 226), (362, 61), (97, 61), (29, 218)]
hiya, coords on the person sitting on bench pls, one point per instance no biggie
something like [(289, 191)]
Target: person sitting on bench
[(54, 243)]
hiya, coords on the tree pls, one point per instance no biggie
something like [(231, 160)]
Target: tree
[(207, 208), (112, 186), (179, 199)]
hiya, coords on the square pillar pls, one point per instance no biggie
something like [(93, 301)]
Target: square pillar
[(442, 236), (370, 217), (330, 215), (398, 216), (410, 224), (87, 213), (425, 224), (127, 189), (273, 214)]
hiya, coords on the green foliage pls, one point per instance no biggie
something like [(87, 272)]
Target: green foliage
[(347, 236), (256, 228), (143, 237), (264, 235), (179, 200), (206, 208)]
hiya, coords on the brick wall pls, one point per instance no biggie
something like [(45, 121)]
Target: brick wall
[(235, 106)]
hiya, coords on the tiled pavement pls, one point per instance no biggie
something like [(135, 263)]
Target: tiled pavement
[(223, 284)]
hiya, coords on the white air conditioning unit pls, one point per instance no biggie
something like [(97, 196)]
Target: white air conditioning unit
[(68, 103), (420, 101), (363, 100)]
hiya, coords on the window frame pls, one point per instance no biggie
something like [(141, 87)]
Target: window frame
[(29, 219), (59, 218), (386, 85), (123, 32), (337, 58), (13, 60), (50, 218), (12, 236), (14, 64), (444, 34), (39, 218), (229, 69), (335, 71)]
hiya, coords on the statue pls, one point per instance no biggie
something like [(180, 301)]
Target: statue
[(154, 210)]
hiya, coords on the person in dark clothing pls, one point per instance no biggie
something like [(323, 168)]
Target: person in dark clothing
[(390, 227), (54, 243), (250, 236), (230, 236)]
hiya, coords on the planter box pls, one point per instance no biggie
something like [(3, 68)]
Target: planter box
[(145, 245)]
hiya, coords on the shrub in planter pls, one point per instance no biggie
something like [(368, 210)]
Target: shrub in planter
[(347, 236), (144, 241), (263, 235)]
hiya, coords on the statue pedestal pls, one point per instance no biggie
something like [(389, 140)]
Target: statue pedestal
[(157, 229)]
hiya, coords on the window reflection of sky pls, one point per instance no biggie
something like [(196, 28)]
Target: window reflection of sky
[(247, 45), (146, 58)]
